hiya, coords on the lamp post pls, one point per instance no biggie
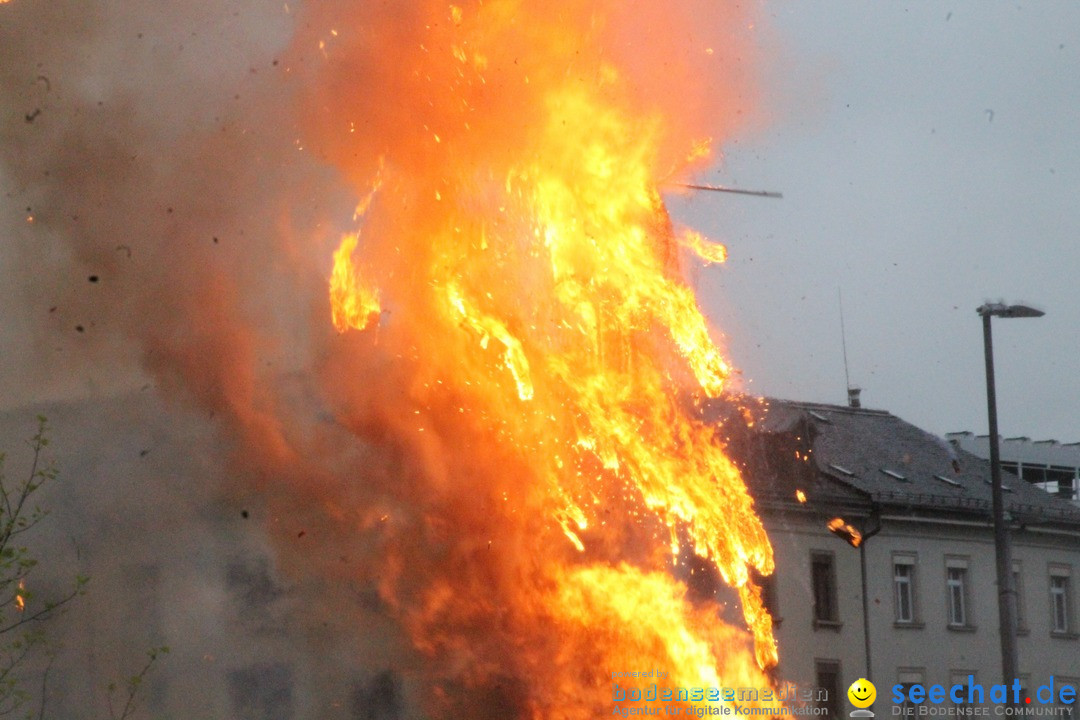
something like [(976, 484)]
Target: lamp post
[(1002, 552), (857, 539)]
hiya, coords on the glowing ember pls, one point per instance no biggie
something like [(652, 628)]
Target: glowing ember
[(20, 599), (525, 267), (849, 533), (800, 496)]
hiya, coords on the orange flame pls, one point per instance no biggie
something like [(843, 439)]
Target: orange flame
[(20, 599), (848, 532), (800, 496), (525, 266)]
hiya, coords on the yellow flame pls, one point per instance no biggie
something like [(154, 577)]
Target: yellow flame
[(489, 327), (695, 647), (710, 252), (353, 304), (533, 276)]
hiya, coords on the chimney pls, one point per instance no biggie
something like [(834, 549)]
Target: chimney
[(853, 397)]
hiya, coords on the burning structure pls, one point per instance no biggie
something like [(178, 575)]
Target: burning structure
[(496, 450), (515, 277)]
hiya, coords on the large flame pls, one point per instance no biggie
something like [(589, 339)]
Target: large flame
[(517, 263)]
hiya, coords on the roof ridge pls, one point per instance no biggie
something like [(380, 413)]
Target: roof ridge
[(805, 405)]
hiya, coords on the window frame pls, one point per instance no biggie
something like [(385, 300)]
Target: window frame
[(1063, 592), (1066, 680), (833, 695), (906, 677), (832, 620), (910, 561), (960, 677), (961, 565)]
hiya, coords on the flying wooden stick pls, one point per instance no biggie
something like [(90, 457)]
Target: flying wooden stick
[(721, 188)]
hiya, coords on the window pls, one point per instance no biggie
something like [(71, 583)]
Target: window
[(1059, 603), (379, 697), (1060, 622), (956, 584), (823, 577), (254, 592), (263, 691), (966, 679), (767, 584), (827, 678), (906, 678), (1068, 708), (1062, 480), (904, 588)]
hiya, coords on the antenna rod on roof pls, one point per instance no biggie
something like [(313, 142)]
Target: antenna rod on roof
[(852, 392), (843, 337)]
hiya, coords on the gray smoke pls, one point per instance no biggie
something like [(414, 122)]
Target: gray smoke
[(166, 238)]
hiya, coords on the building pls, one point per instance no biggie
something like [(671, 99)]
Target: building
[(1048, 464), (916, 602), (143, 508), (177, 556)]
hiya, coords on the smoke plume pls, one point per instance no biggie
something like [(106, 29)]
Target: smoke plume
[(176, 180)]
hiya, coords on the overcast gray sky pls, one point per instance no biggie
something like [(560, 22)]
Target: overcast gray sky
[(929, 156)]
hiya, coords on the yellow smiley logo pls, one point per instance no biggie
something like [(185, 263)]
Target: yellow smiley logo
[(862, 693)]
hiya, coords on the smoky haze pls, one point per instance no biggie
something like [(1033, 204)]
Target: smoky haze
[(240, 482), (166, 237)]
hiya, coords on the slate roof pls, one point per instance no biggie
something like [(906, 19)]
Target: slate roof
[(840, 454)]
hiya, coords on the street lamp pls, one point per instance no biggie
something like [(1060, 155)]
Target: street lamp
[(857, 539), (1002, 553)]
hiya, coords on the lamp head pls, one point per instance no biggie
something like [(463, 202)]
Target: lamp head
[(845, 531), (1000, 309)]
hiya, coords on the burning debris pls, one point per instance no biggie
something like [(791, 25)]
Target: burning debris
[(526, 262), (845, 531), (494, 450)]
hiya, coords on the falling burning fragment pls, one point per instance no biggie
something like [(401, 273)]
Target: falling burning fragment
[(848, 533), (518, 249)]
